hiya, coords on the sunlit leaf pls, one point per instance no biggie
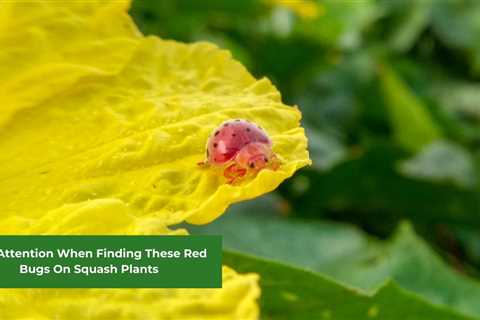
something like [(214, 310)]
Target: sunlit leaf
[(101, 130), (131, 138)]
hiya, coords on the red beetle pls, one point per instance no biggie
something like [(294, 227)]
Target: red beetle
[(241, 146)]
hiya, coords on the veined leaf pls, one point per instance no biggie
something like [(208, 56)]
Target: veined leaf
[(101, 130), (291, 293)]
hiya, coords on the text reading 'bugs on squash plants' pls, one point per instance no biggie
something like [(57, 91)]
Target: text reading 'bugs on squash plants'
[(110, 261)]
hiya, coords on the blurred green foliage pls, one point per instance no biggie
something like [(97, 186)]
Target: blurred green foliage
[(349, 256), (390, 94), (293, 293)]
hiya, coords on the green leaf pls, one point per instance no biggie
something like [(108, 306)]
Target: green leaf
[(341, 23), (458, 100), (326, 150), (470, 240), (291, 293), (412, 124), (456, 23), (410, 18), (351, 257), (442, 161)]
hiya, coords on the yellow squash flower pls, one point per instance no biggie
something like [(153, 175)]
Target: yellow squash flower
[(101, 130)]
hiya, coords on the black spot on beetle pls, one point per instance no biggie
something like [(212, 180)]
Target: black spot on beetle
[(252, 165), (234, 135), (265, 159), (248, 129), (215, 145)]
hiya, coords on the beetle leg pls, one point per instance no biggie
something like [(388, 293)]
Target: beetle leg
[(233, 172), (274, 162), (202, 164)]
